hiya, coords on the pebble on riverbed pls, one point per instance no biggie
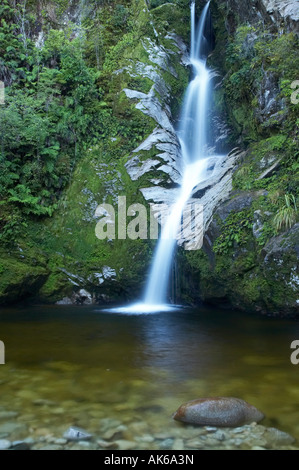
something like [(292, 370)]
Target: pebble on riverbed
[(77, 434), (125, 437), (4, 444), (248, 437)]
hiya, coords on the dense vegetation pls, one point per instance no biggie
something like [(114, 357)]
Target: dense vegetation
[(67, 131), (253, 260), (58, 101), (258, 64), (51, 112)]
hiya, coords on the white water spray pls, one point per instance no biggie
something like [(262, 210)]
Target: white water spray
[(193, 138), (192, 134)]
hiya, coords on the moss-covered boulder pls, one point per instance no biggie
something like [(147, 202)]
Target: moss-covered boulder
[(22, 273)]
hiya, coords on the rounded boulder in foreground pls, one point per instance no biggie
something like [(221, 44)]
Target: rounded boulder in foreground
[(218, 411)]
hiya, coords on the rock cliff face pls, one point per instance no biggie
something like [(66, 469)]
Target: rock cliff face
[(279, 14), (142, 77), (247, 261), (283, 13)]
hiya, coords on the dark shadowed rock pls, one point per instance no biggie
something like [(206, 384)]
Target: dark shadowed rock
[(219, 411), (20, 445)]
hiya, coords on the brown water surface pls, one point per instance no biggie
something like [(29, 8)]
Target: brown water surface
[(85, 367)]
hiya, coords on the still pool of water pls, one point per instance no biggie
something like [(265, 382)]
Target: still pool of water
[(91, 368)]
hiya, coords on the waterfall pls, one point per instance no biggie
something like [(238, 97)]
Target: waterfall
[(196, 166), (193, 129), (192, 135)]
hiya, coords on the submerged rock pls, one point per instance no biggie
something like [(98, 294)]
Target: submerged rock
[(219, 411), (275, 437), (20, 445), (123, 444), (4, 444), (77, 434)]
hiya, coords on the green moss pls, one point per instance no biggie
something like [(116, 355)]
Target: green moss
[(23, 272), (62, 253), (242, 119), (245, 262), (235, 231), (55, 288), (250, 50), (252, 289), (237, 270), (177, 85), (173, 17)]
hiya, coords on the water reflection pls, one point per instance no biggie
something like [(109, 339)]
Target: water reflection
[(90, 363), (175, 346)]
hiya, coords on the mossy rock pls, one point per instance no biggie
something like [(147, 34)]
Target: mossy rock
[(22, 275)]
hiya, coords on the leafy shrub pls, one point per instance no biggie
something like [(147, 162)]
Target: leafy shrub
[(235, 230)]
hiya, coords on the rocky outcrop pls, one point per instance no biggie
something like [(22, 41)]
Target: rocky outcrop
[(278, 13), (217, 188), (281, 267), (163, 171), (248, 276), (270, 104), (163, 141), (283, 13), (220, 411), (88, 291), (21, 272)]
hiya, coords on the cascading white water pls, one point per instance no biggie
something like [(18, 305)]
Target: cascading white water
[(156, 292), (192, 135), (193, 138), (193, 129)]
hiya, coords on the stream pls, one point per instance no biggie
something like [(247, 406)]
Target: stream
[(82, 366)]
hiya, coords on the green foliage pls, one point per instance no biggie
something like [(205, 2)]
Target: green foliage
[(278, 147), (252, 53), (234, 231), (178, 85), (55, 108), (120, 16), (240, 52), (157, 3), (12, 224), (44, 123), (276, 142), (172, 16), (267, 233), (277, 55), (32, 205), (287, 215), (253, 50), (52, 112)]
